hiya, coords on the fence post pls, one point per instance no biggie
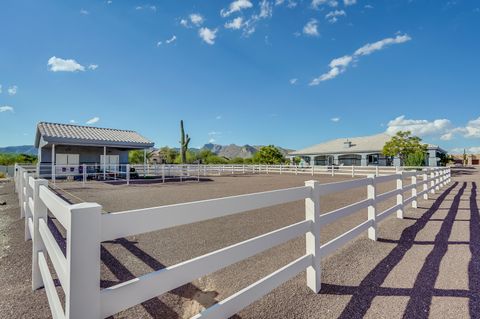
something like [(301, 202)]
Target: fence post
[(414, 191), (312, 238), (198, 172), (333, 171), (400, 195), (127, 173), (425, 184), (437, 180), (353, 171), (163, 173), (84, 171), (372, 208), (39, 212), (432, 183), (376, 170), (15, 177), (83, 262), (20, 192), (296, 169), (28, 213)]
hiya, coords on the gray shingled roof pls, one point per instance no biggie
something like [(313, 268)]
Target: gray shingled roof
[(362, 144), (88, 135)]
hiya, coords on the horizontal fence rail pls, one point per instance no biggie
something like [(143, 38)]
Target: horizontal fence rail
[(86, 227), (140, 173)]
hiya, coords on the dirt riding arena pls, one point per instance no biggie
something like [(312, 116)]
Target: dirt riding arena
[(419, 266)]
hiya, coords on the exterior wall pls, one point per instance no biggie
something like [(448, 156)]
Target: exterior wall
[(88, 155), (337, 159)]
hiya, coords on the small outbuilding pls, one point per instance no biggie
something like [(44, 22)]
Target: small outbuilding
[(360, 151), (65, 147)]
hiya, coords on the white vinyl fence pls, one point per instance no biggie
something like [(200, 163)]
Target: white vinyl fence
[(178, 172), (87, 227), (7, 170)]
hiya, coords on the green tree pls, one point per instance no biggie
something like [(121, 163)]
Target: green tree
[(416, 158), (137, 156), (237, 160), (268, 155), (404, 145), (297, 160), (190, 158), (168, 154), (10, 159)]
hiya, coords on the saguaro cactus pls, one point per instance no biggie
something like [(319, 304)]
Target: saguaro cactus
[(184, 141)]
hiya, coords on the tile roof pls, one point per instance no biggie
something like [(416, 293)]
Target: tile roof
[(363, 144), (78, 134)]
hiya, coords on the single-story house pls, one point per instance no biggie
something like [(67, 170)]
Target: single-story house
[(360, 151), (470, 159), (65, 147)]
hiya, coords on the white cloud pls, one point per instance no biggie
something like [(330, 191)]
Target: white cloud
[(318, 3), (6, 108), (266, 9), (447, 136), (184, 22), (332, 16), (196, 19), (419, 127), (211, 140), (468, 150), (234, 24), (208, 35), (236, 6), (64, 65), (93, 67), (311, 28), (151, 7), (472, 129), (333, 73), (72, 121), (343, 61), (12, 90), (368, 6), (293, 81), (172, 39), (84, 12), (340, 65), (291, 4), (93, 120), (335, 119), (349, 2), (218, 117), (379, 45)]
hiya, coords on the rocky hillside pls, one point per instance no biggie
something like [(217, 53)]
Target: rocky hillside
[(23, 149), (232, 150)]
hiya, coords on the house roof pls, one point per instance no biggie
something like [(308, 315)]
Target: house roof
[(68, 134), (362, 144)]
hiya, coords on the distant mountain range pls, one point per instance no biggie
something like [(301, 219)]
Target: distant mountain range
[(228, 151), (23, 149), (232, 150)]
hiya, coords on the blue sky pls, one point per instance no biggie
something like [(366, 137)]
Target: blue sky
[(291, 73)]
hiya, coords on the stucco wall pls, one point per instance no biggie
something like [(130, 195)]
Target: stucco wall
[(88, 155)]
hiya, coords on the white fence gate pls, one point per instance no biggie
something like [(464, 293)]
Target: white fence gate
[(87, 227)]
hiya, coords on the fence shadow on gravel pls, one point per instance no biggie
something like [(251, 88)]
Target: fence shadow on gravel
[(154, 307), (423, 291), (474, 265)]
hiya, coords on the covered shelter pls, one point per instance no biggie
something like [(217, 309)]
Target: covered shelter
[(66, 148), (359, 151)]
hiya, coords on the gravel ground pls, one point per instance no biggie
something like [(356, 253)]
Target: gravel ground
[(427, 264)]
